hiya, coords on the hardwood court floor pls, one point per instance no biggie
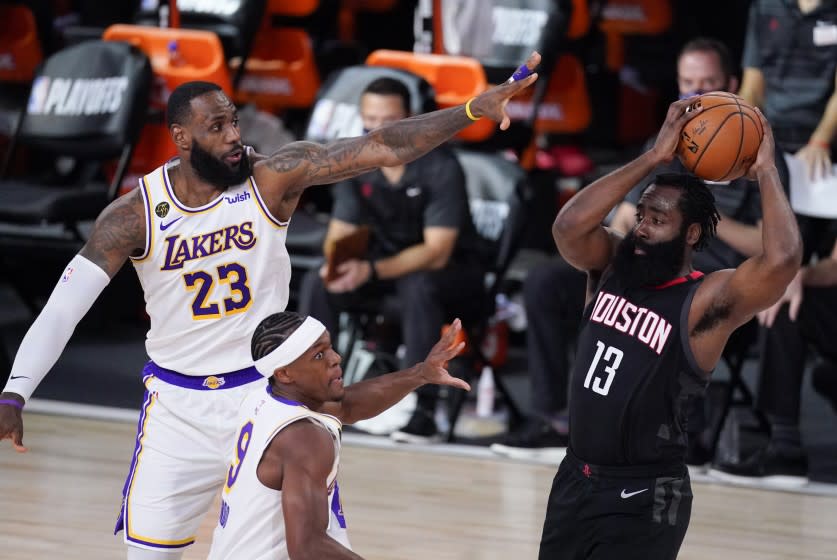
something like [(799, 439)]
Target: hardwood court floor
[(60, 501)]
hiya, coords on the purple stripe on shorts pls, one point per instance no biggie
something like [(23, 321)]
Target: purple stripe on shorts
[(203, 383), (120, 521)]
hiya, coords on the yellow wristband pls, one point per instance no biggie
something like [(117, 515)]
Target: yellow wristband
[(468, 110)]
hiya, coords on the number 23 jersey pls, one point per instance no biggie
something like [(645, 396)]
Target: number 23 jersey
[(210, 275), (634, 374)]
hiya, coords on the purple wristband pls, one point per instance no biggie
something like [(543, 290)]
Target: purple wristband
[(12, 402), (521, 73)]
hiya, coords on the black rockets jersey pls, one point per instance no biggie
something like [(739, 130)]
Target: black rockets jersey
[(634, 374)]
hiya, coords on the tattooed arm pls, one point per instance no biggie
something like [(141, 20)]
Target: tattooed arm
[(119, 232), (284, 175)]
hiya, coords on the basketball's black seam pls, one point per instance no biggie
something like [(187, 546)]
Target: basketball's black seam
[(709, 141), (740, 142)]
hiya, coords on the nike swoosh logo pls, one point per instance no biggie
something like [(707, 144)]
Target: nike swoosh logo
[(164, 227), (629, 494), (19, 377)]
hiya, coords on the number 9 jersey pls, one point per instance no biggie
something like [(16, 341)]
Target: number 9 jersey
[(209, 274)]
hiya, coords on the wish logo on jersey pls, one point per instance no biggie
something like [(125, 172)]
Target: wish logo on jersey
[(180, 250), (239, 197)]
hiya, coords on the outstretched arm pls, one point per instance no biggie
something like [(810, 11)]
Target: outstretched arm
[(578, 231), (119, 231), (371, 397), (283, 175)]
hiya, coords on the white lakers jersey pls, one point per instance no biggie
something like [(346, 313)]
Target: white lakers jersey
[(251, 524), (210, 275)]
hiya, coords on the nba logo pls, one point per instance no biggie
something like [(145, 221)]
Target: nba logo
[(37, 99), (67, 274)]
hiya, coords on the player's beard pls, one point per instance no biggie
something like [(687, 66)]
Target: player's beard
[(661, 262), (215, 171)]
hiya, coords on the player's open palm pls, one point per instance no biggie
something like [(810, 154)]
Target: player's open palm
[(434, 367), (492, 103), (11, 426)]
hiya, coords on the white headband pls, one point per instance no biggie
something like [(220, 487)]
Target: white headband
[(294, 346)]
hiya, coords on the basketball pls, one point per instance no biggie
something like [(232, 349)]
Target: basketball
[(721, 142)]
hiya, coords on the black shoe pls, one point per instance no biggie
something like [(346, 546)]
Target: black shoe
[(420, 429), (767, 465), (537, 440), (824, 380)]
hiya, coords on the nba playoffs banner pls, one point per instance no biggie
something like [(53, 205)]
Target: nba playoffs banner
[(86, 89)]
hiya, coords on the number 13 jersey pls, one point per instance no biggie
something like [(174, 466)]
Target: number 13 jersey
[(634, 374), (210, 275)]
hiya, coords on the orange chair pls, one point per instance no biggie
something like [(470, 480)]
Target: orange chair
[(20, 50), (456, 79), (620, 18), (579, 21), (565, 108), (202, 59), (280, 72), (631, 17), (294, 8), (348, 10)]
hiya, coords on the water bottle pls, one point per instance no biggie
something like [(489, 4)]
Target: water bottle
[(485, 393), (175, 58)]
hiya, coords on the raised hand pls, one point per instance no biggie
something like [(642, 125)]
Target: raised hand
[(679, 113), (492, 103), (11, 422), (434, 367)]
